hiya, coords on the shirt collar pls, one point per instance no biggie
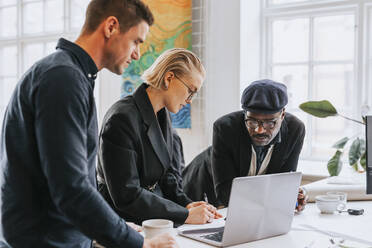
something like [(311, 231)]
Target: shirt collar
[(277, 139), (89, 67)]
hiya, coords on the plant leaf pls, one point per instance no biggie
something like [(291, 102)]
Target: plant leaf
[(334, 165), (341, 143), (320, 109), (363, 160), (356, 150), (363, 145)]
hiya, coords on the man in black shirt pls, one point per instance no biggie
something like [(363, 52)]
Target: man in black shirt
[(260, 139), (49, 138)]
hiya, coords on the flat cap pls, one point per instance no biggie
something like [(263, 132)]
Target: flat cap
[(264, 96)]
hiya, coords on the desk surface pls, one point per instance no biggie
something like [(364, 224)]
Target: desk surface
[(310, 229)]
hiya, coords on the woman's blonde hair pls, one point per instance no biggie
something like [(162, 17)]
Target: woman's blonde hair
[(180, 61)]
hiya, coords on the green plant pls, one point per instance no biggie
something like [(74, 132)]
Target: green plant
[(357, 151)]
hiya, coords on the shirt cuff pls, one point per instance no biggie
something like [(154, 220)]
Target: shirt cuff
[(133, 240)]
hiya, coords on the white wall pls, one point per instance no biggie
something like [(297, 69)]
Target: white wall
[(222, 60), (233, 55), (195, 139), (250, 42), (108, 85), (229, 47)]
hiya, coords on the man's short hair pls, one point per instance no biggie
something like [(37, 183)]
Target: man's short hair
[(128, 12)]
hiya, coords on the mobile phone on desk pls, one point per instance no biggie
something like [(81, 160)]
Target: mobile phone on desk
[(355, 211)]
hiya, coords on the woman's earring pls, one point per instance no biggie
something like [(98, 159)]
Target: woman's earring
[(166, 83)]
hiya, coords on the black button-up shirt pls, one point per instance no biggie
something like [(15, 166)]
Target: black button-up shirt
[(48, 155)]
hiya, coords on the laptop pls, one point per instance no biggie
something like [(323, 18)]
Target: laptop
[(259, 207)]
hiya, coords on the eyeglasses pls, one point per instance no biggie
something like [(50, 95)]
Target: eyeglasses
[(254, 123), (192, 93)]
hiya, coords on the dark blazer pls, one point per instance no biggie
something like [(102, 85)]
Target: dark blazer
[(213, 170), (231, 156), (197, 178), (178, 160), (135, 172)]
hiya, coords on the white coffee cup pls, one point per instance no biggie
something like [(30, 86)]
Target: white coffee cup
[(155, 227), (342, 195), (328, 204)]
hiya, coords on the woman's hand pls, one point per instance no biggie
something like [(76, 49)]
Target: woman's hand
[(195, 204), (201, 213), (211, 207)]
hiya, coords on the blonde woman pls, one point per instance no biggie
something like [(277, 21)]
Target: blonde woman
[(135, 172)]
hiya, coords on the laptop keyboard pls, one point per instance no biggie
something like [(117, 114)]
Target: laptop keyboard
[(214, 236)]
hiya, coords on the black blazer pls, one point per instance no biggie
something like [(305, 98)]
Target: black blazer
[(197, 181), (231, 155), (135, 172)]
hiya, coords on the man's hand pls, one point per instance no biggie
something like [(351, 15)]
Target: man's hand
[(164, 240), (301, 200), (134, 226)]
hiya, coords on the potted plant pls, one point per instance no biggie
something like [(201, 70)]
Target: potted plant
[(357, 150)]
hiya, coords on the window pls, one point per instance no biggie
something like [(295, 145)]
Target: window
[(274, 2), (317, 49), (29, 30)]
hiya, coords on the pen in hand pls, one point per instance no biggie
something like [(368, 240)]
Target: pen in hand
[(206, 200)]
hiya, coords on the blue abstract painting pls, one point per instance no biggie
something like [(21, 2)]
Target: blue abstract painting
[(172, 28), (183, 118)]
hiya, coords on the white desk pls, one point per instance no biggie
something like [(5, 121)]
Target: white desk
[(349, 226), (354, 185)]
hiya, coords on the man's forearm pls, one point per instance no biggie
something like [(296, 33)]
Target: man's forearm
[(94, 217)]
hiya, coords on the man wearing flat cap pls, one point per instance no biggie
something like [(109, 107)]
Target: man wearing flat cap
[(260, 139)]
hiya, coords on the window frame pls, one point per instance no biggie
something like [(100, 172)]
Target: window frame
[(362, 11), (21, 39)]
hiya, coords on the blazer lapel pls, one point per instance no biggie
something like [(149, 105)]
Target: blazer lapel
[(158, 144), (166, 133), (279, 151), (154, 132), (245, 149)]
